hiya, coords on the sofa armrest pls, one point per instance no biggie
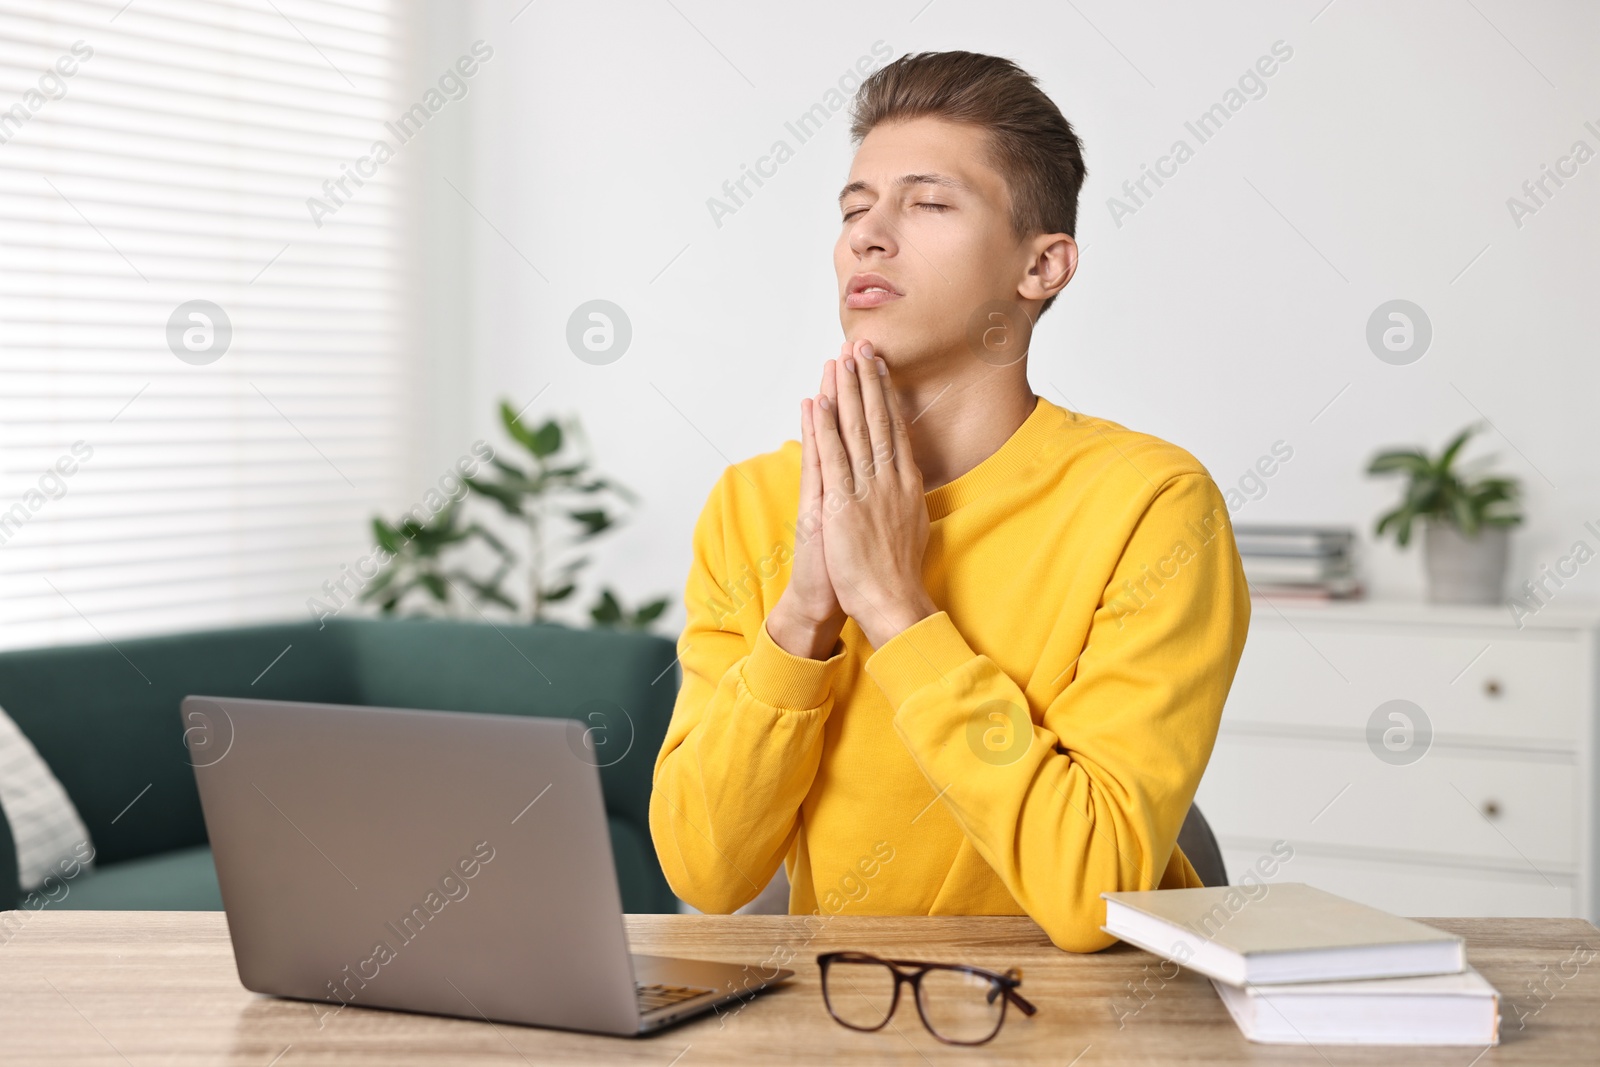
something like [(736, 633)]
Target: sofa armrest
[(10, 888)]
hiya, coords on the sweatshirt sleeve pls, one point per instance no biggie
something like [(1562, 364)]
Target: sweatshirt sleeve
[(745, 738), (1082, 790)]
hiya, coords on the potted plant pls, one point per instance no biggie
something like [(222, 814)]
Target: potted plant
[(552, 500), (555, 492), (416, 561), (1466, 520)]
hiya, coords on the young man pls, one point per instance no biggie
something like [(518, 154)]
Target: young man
[(958, 650)]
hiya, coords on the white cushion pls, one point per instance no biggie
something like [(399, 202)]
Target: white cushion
[(49, 833)]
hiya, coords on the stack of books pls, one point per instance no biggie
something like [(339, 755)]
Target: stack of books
[(1312, 562), (1298, 966)]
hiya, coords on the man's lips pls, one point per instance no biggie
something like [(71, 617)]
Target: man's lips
[(870, 291)]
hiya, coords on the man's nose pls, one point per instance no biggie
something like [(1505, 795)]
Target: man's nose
[(872, 232)]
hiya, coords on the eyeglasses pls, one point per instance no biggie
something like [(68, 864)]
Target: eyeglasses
[(959, 1005)]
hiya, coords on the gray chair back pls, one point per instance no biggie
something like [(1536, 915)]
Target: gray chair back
[(1199, 844)]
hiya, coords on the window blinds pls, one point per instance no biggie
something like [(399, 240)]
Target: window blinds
[(203, 392)]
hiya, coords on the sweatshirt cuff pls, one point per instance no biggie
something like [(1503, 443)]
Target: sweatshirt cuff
[(780, 679), (925, 652)]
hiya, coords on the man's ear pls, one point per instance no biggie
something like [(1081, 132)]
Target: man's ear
[(1055, 261)]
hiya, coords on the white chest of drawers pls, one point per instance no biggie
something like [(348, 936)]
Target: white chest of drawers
[(1426, 759)]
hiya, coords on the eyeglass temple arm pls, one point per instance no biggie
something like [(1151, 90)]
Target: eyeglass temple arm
[(1012, 995), (1020, 1001)]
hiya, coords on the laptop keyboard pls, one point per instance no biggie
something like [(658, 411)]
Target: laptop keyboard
[(654, 997)]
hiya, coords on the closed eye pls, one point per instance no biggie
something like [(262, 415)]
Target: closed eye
[(853, 212)]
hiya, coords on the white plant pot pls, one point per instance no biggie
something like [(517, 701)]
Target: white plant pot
[(1464, 570)]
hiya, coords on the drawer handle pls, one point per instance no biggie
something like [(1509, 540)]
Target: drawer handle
[(1491, 686), (1491, 809)]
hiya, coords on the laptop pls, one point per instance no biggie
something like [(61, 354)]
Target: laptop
[(441, 862)]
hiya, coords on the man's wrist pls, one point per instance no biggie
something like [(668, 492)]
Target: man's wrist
[(896, 618), (801, 637)]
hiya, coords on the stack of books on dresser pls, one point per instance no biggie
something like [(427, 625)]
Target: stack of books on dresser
[(1310, 562), (1297, 966)]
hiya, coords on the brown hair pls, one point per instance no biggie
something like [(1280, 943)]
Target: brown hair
[(1030, 143)]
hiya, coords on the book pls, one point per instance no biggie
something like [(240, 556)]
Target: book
[(1438, 1009), (1292, 540), (1261, 546), (1345, 588), (1295, 569), (1307, 594), (1290, 932)]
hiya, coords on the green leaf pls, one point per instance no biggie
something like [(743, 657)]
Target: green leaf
[(519, 433), (1466, 518), (606, 611), (481, 531), (495, 596), (1422, 494), (651, 611), (383, 581), (1409, 460), (1453, 447), (1403, 535), (546, 440), (509, 468), (489, 591), (386, 536), (522, 485), (595, 521), (508, 500), (561, 593), (623, 491)]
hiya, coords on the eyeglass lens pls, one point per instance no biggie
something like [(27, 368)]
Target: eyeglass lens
[(860, 994), (956, 1005), (960, 1006)]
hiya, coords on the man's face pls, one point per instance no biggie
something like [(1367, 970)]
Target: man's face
[(943, 240)]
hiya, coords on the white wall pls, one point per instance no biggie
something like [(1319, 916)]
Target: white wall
[(1224, 314)]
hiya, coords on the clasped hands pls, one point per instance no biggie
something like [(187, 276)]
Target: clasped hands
[(862, 522)]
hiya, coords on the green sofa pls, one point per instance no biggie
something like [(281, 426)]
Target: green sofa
[(106, 720)]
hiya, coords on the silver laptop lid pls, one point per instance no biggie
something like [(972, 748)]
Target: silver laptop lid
[(430, 861)]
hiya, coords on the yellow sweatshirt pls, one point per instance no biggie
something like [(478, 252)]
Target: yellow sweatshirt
[(1034, 743)]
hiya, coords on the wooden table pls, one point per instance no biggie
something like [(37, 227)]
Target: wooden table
[(160, 987)]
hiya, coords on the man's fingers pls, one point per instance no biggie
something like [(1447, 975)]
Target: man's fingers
[(810, 472), (875, 411), (852, 416), (899, 429), (830, 383), (834, 461), (808, 514)]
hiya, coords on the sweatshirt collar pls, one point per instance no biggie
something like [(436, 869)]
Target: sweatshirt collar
[(1003, 466)]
